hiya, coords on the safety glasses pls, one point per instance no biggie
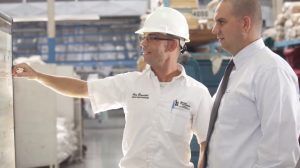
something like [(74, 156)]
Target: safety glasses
[(152, 37)]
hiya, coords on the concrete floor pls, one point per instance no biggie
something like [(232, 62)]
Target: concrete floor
[(103, 140)]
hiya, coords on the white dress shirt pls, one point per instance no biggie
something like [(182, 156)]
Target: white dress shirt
[(160, 117), (258, 119)]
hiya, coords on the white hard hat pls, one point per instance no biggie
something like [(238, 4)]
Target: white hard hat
[(166, 20)]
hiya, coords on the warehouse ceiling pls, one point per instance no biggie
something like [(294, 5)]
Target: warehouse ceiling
[(75, 10)]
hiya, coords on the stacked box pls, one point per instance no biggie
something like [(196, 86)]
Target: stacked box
[(184, 3), (192, 21)]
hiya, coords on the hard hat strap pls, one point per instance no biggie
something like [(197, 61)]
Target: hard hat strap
[(183, 48)]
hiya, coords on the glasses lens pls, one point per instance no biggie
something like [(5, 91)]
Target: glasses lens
[(151, 37)]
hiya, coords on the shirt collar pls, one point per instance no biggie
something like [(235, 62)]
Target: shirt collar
[(181, 75), (152, 75), (241, 57)]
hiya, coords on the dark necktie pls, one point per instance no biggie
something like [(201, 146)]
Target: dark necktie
[(214, 112)]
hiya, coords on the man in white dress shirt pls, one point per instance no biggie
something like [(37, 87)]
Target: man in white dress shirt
[(258, 118), (163, 106)]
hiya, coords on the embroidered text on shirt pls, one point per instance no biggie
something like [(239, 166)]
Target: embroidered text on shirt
[(140, 96)]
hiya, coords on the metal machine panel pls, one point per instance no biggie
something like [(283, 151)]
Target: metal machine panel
[(35, 122), (7, 142)]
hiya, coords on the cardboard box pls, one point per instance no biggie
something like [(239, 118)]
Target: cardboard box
[(184, 3)]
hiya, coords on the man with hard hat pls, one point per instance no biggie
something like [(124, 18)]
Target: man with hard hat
[(163, 106)]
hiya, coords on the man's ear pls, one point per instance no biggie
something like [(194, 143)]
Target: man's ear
[(172, 45), (247, 23)]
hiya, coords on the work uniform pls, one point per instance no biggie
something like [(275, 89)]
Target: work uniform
[(160, 117), (258, 119)]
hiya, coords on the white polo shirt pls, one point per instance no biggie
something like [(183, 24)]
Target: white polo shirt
[(160, 118)]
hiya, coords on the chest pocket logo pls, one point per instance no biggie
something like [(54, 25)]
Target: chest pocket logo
[(181, 105), (179, 120)]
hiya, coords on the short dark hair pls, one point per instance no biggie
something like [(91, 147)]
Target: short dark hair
[(251, 8)]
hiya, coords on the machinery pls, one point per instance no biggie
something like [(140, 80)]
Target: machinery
[(7, 143)]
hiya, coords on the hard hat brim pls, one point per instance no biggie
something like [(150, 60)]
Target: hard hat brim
[(148, 30)]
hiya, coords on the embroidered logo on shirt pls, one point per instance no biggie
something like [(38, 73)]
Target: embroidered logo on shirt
[(181, 105), (140, 96)]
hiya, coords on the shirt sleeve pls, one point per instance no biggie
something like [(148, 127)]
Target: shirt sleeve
[(277, 100), (201, 119), (107, 93)]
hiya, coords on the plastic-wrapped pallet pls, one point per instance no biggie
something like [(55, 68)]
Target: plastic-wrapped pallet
[(66, 139), (291, 7), (287, 24)]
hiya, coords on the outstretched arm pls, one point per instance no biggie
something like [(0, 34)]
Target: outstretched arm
[(64, 85)]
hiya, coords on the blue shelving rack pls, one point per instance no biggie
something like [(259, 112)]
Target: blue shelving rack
[(287, 43), (110, 41)]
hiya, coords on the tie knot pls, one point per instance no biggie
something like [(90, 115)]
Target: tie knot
[(229, 68), (231, 64)]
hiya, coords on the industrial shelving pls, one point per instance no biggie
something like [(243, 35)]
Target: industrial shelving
[(287, 43), (109, 42)]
